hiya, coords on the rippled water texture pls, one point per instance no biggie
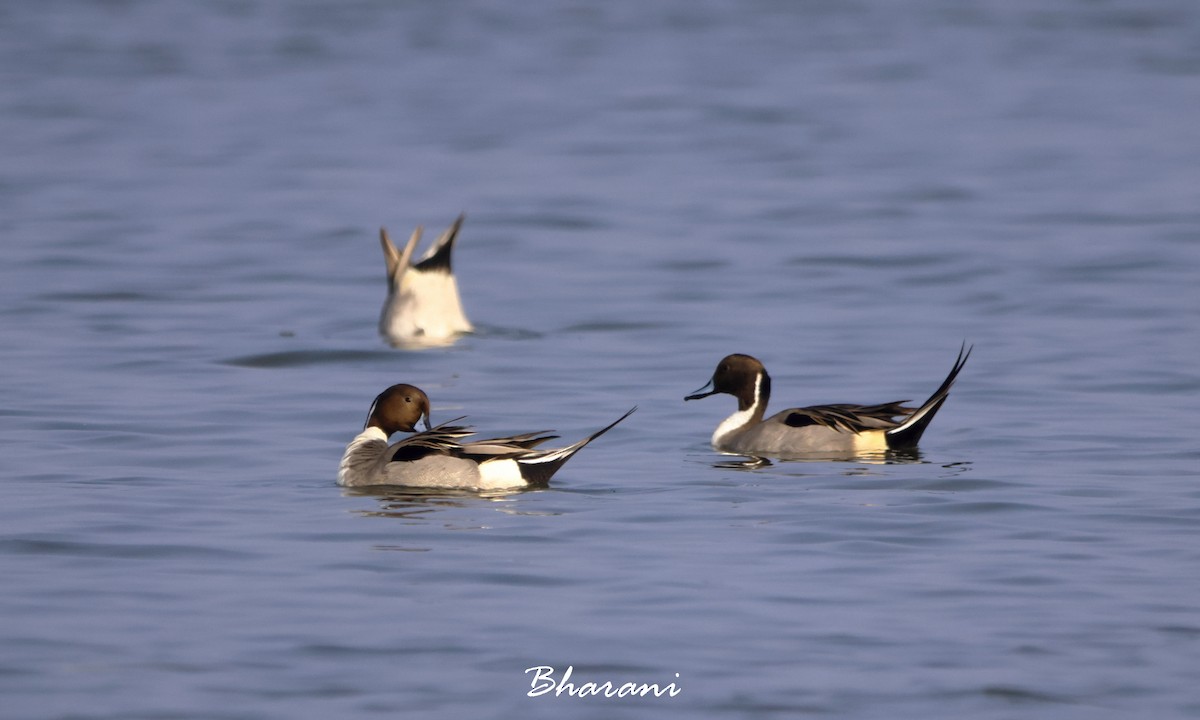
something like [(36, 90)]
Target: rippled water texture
[(190, 196)]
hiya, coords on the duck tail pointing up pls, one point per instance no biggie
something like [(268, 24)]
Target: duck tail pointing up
[(438, 257), (908, 433), (397, 261), (538, 470)]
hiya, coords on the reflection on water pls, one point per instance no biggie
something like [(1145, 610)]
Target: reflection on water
[(746, 463), (481, 332), (418, 503), (887, 457), (423, 342)]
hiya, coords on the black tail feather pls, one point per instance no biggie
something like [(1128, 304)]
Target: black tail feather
[(908, 433), (440, 260), (538, 471)]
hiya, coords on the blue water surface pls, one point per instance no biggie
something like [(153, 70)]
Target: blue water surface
[(190, 282)]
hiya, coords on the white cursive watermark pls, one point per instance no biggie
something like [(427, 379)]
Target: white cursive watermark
[(543, 683)]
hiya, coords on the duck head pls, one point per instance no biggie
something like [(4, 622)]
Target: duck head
[(741, 376), (398, 409)]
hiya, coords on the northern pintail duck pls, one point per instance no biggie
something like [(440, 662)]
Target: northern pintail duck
[(437, 458), (841, 430), (422, 302)]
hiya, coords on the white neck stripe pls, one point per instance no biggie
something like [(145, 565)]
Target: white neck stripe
[(739, 419)]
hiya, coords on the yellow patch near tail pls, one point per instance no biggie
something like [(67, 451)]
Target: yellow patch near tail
[(870, 441)]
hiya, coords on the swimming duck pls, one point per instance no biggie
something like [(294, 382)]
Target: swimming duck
[(842, 430), (422, 302), (437, 457)]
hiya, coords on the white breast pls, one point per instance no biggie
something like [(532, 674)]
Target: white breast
[(361, 458)]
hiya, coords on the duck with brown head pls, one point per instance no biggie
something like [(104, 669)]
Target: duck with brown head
[(839, 430), (439, 458)]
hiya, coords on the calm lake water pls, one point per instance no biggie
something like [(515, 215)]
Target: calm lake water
[(189, 199)]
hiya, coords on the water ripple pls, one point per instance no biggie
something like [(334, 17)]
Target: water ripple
[(164, 551), (304, 358)]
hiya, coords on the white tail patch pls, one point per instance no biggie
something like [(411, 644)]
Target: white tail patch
[(500, 473)]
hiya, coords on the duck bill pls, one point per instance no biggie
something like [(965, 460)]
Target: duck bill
[(425, 419), (700, 393)]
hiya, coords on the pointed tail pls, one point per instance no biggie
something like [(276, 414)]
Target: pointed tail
[(438, 257), (908, 433), (397, 262), (538, 470)]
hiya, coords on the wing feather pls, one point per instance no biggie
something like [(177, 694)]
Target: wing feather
[(849, 418)]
